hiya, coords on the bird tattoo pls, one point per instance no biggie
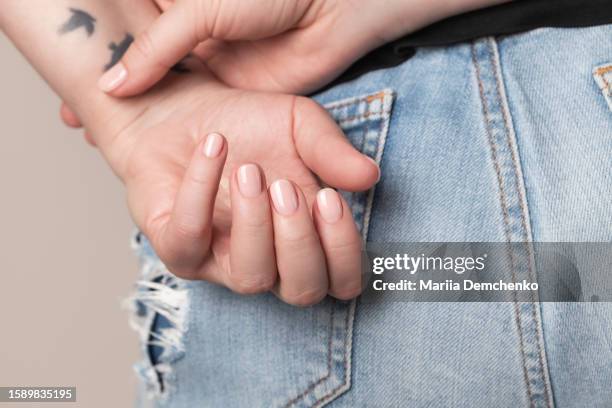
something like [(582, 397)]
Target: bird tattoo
[(118, 50), (78, 19)]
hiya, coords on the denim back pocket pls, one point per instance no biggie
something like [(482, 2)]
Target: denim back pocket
[(365, 122), (206, 346), (603, 77)]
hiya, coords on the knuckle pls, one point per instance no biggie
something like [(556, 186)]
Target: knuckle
[(187, 228), (184, 273), (143, 43), (306, 298), (145, 47), (252, 285), (254, 232), (255, 223), (305, 103), (301, 242), (211, 25), (170, 257), (352, 246), (198, 178), (178, 257), (305, 109)]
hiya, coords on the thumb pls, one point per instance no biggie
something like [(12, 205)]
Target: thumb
[(153, 53), (327, 152)]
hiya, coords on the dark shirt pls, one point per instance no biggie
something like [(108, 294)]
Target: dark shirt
[(504, 19)]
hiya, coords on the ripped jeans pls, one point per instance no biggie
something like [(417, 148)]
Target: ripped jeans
[(498, 140)]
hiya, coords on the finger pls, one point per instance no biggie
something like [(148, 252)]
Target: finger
[(327, 152), (341, 243), (299, 257), (185, 24), (252, 260), (69, 118), (184, 241), (153, 52), (89, 138)]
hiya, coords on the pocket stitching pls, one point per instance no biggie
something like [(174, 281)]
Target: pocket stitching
[(603, 77), (386, 98), (314, 385)]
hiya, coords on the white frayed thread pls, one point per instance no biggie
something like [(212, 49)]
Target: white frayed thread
[(168, 302), (159, 293)]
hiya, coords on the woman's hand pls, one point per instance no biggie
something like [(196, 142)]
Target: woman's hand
[(219, 223), (288, 46), (153, 142), (271, 242), (291, 46)]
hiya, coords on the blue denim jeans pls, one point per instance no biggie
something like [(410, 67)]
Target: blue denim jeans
[(498, 140)]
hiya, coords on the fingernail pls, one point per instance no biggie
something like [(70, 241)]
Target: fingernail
[(284, 197), (249, 180), (377, 167), (113, 78), (329, 205), (213, 145)]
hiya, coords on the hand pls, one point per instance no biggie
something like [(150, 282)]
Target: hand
[(239, 239), (291, 46), (311, 259)]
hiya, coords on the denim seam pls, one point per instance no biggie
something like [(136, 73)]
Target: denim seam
[(360, 99), (329, 360), (505, 114), (502, 200), (365, 139), (346, 381), (502, 100), (347, 354), (359, 117), (381, 139), (345, 328), (504, 153), (601, 71)]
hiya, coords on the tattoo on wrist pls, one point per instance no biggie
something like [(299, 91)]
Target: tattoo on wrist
[(78, 19), (118, 50)]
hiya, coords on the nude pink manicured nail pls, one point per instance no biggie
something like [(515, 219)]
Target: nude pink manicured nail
[(113, 78), (249, 180), (213, 145), (284, 197), (329, 205)]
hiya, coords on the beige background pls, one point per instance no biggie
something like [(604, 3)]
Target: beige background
[(65, 261)]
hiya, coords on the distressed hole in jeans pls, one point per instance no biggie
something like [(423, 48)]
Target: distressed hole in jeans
[(159, 305)]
